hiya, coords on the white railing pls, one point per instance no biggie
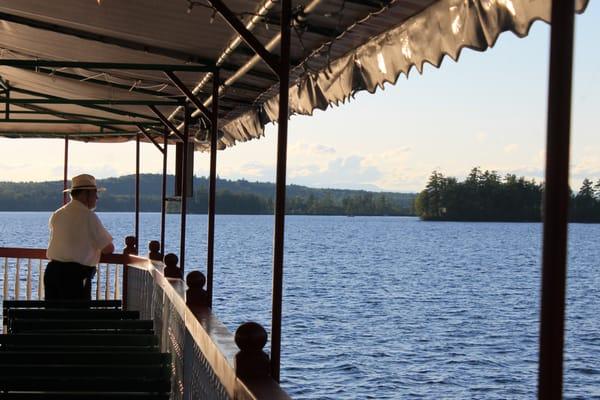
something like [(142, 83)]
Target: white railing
[(22, 275)]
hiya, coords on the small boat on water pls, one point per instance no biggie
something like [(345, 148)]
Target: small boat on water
[(203, 76)]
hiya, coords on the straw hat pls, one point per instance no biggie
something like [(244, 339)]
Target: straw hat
[(83, 182)]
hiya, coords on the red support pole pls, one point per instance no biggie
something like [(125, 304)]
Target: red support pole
[(556, 203), (164, 193), (212, 188), (184, 186), (282, 131), (66, 168), (137, 192)]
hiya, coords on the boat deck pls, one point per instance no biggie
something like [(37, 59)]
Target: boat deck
[(83, 350)]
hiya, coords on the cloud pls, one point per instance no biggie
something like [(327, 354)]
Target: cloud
[(481, 137), (511, 148)]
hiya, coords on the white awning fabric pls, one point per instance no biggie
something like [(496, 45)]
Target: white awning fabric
[(339, 47)]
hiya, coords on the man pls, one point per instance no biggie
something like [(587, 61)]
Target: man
[(77, 238)]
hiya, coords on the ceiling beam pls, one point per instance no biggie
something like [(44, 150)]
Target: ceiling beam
[(166, 122), (150, 138), (128, 44), (188, 94), (269, 58), (94, 107), (17, 63), (102, 82), (120, 102)]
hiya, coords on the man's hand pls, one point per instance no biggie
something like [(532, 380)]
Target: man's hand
[(109, 249)]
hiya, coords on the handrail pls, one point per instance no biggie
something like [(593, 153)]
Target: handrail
[(202, 328), (106, 282), (212, 338), (40, 254)]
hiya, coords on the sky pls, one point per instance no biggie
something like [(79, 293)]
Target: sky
[(487, 110)]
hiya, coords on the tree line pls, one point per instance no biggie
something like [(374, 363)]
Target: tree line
[(232, 197), (486, 196)]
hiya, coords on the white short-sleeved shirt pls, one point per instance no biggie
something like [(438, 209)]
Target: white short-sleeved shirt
[(76, 235)]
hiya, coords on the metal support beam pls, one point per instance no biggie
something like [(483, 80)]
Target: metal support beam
[(269, 58), (556, 203), (137, 192), (188, 94), (65, 171), (103, 38), (18, 63), (36, 110), (163, 208), (212, 188), (94, 107), (100, 82), (7, 106), (150, 138), (167, 123), (282, 132), (85, 102), (98, 122), (184, 186)]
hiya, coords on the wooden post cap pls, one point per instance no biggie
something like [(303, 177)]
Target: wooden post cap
[(195, 294), (171, 269), (130, 245), (154, 250), (251, 361), (250, 336)]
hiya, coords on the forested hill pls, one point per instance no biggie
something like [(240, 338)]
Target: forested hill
[(233, 197), (486, 196)]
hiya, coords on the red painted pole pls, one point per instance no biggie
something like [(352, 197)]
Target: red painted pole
[(137, 192), (184, 186), (556, 203), (212, 188), (65, 172), (282, 131), (164, 193)]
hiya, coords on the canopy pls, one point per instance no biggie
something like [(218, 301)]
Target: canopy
[(338, 47)]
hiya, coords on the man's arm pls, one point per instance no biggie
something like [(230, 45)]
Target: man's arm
[(108, 249)]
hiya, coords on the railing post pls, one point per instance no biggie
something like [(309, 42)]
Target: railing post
[(154, 250), (195, 295), (129, 249), (251, 361), (195, 298), (171, 269)]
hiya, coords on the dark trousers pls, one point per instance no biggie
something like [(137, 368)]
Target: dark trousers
[(68, 281)]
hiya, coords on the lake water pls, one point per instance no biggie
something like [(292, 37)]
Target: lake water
[(389, 308)]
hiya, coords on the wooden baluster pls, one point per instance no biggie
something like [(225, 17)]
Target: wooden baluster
[(5, 282), (129, 249), (17, 279), (116, 296), (40, 279), (107, 283), (29, 279), (98, 281)]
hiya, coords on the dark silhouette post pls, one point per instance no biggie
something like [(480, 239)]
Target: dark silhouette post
[(195, 295), (171, 269), (154, 250), (251, 361), (129, 249), (556, 203)]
